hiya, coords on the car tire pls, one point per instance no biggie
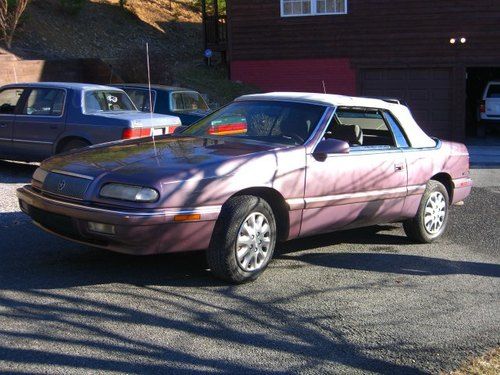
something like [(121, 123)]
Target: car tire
[(243, 240), (432, 216), (74, 144)]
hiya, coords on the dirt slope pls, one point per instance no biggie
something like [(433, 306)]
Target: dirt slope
[(103, 29)]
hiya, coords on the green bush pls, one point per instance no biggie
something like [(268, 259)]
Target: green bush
[(72, 7)]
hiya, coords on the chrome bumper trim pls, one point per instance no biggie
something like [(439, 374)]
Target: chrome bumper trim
[(29, 196)]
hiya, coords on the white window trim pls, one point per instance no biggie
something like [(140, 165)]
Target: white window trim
[(313, 10)]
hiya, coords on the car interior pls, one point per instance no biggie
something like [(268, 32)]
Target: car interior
[(361, 127)]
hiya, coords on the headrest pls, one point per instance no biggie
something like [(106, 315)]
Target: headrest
[(352, 134)]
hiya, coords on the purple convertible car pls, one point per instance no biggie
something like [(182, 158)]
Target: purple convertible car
[(265, 168)]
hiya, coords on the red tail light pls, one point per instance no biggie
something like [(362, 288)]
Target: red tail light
[(482, 106), (131, 133), (226, 129)]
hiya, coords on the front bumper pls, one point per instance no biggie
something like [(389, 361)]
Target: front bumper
[(138, 233)]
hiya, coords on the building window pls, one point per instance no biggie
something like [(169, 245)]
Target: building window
[(294, 8)]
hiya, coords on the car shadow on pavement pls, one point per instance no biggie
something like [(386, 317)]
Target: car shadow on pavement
[(16, 172), (385, 257), (99, 304), (398, 264)]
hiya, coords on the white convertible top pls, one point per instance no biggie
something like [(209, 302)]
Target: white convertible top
[(415, 134)]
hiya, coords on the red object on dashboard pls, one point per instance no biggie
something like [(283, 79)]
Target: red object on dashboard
[(236, 128)]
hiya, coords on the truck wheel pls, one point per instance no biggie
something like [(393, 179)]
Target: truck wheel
[(243, 240), (432, 216), (74, 144)]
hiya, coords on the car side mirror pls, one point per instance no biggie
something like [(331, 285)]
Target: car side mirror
[(330, 146)]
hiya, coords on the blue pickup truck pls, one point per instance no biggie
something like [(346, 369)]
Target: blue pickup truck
[(38, 120)]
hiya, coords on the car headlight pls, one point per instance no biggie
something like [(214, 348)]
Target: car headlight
[(129, 193), (40, 175)]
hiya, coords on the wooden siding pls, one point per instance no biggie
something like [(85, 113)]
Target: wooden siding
[(297, 75), (379, 30)]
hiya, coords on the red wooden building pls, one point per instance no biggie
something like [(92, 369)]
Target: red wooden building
[(435, 55)]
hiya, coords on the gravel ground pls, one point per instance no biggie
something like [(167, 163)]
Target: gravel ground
[(364, 301)]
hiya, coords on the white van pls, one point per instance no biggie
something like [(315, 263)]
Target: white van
[(489, 107)]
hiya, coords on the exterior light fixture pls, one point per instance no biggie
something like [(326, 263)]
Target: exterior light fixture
[(463, 40), (453, 41)]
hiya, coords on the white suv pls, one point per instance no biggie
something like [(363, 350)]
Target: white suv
[(489, 107)]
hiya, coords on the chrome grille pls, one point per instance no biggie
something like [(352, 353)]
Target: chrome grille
[(67, 186)]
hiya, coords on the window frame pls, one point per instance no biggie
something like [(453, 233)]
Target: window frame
[(171, 100), (21, 106), (146, 91), (84, 101), (314, 12), (20, 102), (398, 145)]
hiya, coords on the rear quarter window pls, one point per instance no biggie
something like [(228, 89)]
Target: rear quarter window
[(493, 91)]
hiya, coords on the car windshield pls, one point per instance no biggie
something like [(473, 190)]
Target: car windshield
[(278, 122), (188, 101), (107, 101)]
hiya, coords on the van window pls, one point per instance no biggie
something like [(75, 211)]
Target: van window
[(494, 91)]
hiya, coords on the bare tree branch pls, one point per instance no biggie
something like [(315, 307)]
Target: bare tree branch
[(9, 18)]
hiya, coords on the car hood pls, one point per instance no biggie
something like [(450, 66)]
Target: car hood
[(166, 156), (140, 118)]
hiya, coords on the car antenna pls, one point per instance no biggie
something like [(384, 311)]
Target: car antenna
[(150, 95), (324, 86)]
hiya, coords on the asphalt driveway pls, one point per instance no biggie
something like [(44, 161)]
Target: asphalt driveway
[(354, 302)]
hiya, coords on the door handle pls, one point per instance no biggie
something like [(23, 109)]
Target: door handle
[(399, 167), (3, 125)]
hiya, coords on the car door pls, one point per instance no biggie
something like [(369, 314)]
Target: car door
[(9, 99), (39, 123), (366, 186)]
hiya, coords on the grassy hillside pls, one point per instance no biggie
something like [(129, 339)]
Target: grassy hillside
[(103, 29)]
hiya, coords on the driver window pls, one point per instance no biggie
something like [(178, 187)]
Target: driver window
[(8, 100), (361, 127)]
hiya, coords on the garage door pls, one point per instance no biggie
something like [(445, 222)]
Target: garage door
[(427, 92)]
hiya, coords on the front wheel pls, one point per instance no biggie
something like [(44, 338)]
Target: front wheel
[(243, 241), (432, 216)]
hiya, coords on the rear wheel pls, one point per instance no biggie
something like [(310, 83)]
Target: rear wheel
[(432, 217), (74, 144), (243, 241)]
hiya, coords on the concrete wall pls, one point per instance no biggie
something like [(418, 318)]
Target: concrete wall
[(76, 70)]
